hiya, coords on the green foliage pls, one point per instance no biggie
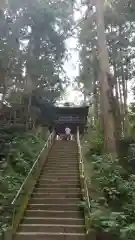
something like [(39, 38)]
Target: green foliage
[(113, 211), (84, 206), (33, 37), (23, 151), (96, 143), (119, 21), (33, 52)]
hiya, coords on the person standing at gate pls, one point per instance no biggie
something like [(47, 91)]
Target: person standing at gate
[(67, 133)]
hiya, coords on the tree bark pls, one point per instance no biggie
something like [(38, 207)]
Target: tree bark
[(116, 80), (28, 112), (96, 101), (108, 119), (125, 110)]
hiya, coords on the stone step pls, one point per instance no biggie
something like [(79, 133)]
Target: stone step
[(61, 164), (64, 149), (54, 200), (56, 189), (51, 194), (60, 182), (61, 167), (62, 174), (60, 170), (72, 151), (55, 184), (54, 213), (51, 228), (55, 207), (65, 144), (45, 220), (62, 158), (49, 236), (59, 177), (68, 153), (64, 155)]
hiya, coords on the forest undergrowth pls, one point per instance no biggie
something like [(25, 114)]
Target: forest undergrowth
[(19, 150), (112, 210)]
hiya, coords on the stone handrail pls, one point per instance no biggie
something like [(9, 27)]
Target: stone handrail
[(84, 183)]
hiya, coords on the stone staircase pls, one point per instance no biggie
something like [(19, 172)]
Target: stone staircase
[(53, 212)]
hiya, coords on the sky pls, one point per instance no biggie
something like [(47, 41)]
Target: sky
[(72, 66), (72, 69)]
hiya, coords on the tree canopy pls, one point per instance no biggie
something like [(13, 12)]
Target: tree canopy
[(32, 47)]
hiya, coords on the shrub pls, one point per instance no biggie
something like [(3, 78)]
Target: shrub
[(22, 152), (96, 144), (114, 209)]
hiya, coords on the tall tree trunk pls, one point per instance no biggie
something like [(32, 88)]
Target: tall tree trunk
[(120, 96), (116, 81), (108, 119), (28, 112), (96, 88), (123, 90), (118, 120), (125, 110), (95, 95)]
